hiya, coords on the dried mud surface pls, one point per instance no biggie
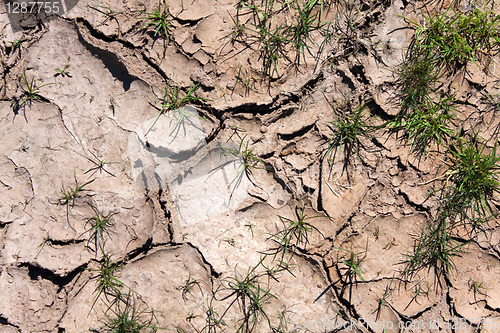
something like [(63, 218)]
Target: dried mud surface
[(173, 222)]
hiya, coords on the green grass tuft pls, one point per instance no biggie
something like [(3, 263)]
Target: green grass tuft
[(126, 316), (427, 124), (349, 126), (472, 181), (458, 37), (160, 19), (30, 93)]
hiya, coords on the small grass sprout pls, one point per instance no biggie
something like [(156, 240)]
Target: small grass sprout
[(353, 265), (100, 224), (296, 233), (160, 19), (188, 286), (30, 92), (421, 288), (248, 83), (17, 44), (238, 31), (352, 268), (106, 11), (99, 165), (45, 241), (477, 288), (69, 195), (214, 321), (62, 72), (382, 302)]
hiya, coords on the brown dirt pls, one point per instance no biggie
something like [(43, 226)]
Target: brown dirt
[(177, 209)]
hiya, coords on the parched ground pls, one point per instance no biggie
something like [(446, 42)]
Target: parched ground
[(192, 240)]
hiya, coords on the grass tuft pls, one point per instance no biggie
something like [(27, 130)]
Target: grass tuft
[(160, 19), (100, 224), (107, 283), (126, 316), (173, 99), (247, 291), (458, 37), (246, 161), (296, 233), (348, 127), (435, 249), (30, 93), (427, 124), (472, 181)]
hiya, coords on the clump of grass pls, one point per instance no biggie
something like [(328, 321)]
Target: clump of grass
[(173, 99), (307, 20), (349, 126), (471, 181), (466, 197), (456, 37), (278, 41), (427, 124), (107, 283), (160, 19), (425, 117), (435, 249), (296, 233), (246, 161), (273, 49), (126, 315), (418, 77), (69, 195), (347, 27), (100, 224), (30, 92), (249, 293)]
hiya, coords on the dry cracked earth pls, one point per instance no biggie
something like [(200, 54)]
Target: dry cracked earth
[(191, 241)]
